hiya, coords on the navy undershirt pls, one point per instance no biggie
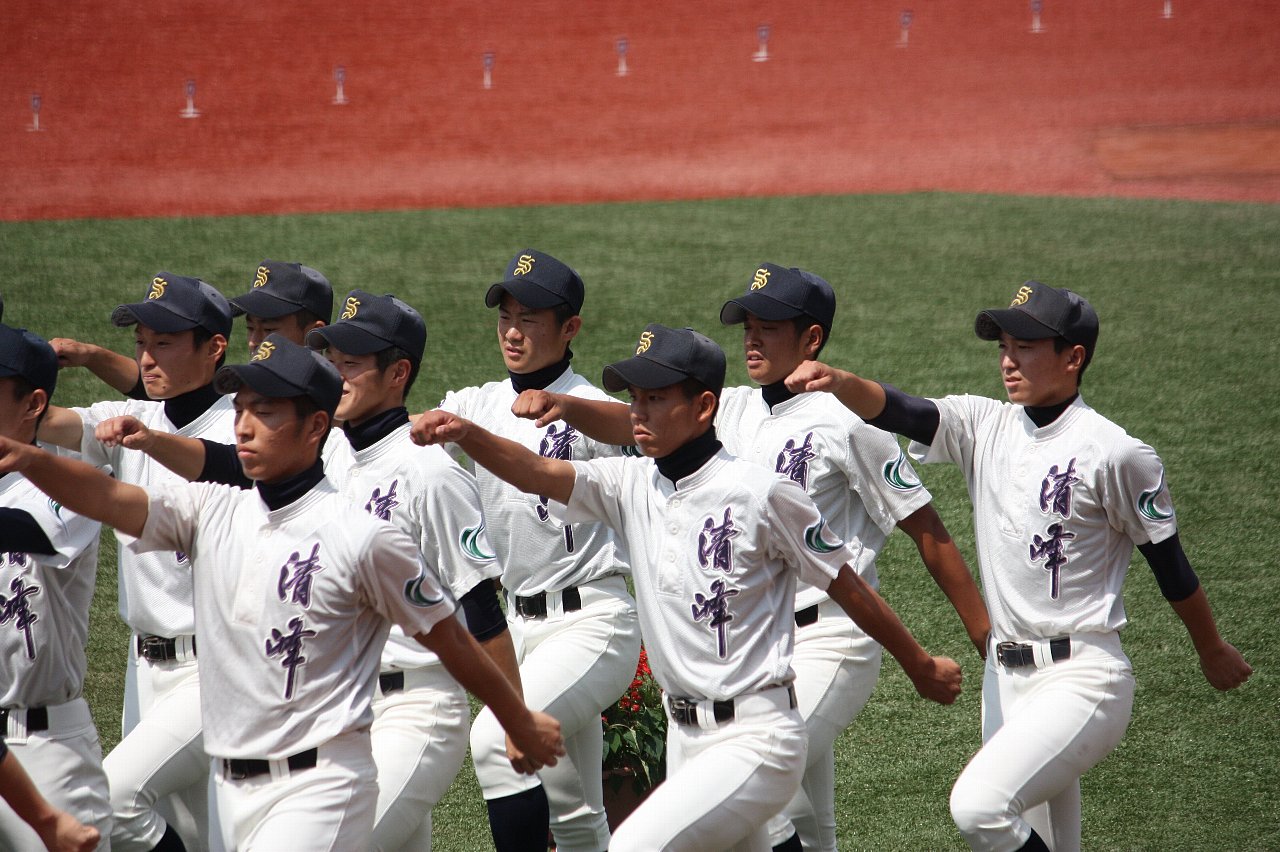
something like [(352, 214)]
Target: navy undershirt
[(776, 394), (185, 408), (540, 379), (689, 457), (369, 432), (277, 495)]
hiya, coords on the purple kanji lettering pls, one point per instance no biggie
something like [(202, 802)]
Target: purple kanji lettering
[(289, 646), (17, 609), (296, 575), (715, 609), (713, 543), (1055, 490), (180, 556), (1052, 550), (18, 560), (380, 505), (556, 444), (793, 461)]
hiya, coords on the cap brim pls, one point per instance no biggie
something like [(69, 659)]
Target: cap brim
[(767, 308), (347, 337), (258, 377), (260, 303), (1017, 324), (154, 316), (640, 372), (525, 292)]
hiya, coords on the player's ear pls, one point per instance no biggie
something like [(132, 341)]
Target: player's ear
[(813, 337), (36, 403), (706, 406), (1075, 362), (216, 347), (571, 327)]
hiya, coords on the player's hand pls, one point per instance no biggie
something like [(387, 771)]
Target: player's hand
[(68, 834), (125, 431), (72, 353), (1225, 667), (939, 680), (542, 407), (15, 455), (438, 427), (813, 376), (536, 744)]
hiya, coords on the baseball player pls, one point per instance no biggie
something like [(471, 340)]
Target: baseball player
[(571, 616), (285, 298), (59, 831), (1061, 495), (180, 333), (48, 568), (716, 547), (295, 590)]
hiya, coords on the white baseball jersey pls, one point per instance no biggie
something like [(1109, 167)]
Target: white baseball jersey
[(1057, 511), (537, 551), (296, 603), (715, 564), (432, 500), (44, 602), (155, 588), (856, 474)]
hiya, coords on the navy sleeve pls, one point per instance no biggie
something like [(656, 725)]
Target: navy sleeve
[(484, 614), (913, 416), (222, 465), (19, 533), (1174, 574)]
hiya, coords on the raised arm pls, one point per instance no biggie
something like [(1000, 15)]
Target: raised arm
[(935, 678), (62, 427), (863, 397), (183, 456), (80, 487), (598, 419), (118, 371), (526, 470), (941, 556)]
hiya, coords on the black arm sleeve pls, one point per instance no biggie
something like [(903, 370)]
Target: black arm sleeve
[(19, 533), (913, 416), (1168, 561), (139, 390), (484, 614), (222, 465)]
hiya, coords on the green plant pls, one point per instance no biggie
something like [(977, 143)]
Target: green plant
[(635, 733)]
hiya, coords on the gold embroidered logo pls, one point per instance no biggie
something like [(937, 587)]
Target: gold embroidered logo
[(157, 288), (265, 348), (260, 280), (350, 309), (1021, 297), (646, 340), (524, 265), (761, 278)]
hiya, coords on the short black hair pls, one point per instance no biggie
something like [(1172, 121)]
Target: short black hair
[(564, 312), (304, 318), (802, 324), (384, 358), (199, 337), (23, 389), (1061, 344), (304, 407)]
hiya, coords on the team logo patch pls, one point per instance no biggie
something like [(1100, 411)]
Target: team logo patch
[(265, 348), (260, 280), (899, 475), (351, 308), (815, 540), (524, 265), (413, 593), (1147, 503), (646, 340), (760, 279), (475, 544), (158, 286), (1021, 297)]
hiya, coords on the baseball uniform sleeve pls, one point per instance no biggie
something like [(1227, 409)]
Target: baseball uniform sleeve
[(67, 533), (395, 581), (800, 536), (459, 403), (879, 471), (91, 449), (173, 517), (959, 418), (452, 538), (597, 487), (1136, 495)]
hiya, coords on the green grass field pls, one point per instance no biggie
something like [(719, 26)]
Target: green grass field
[(1189, 296)]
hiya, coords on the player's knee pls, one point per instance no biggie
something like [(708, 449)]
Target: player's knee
[(976, 813)]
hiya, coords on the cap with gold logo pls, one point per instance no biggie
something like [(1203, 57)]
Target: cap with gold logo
[(280, 369), (281, 288), (370, 324), (780, 293), (176, 303), (667, 356), (537, 280), (1039, 311)]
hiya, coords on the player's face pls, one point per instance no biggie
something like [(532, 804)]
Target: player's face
[(272, 441), (774, 348), (664, 419), (172, 364), (1034, 374), (530, 338), (366, 390), (287, 325)]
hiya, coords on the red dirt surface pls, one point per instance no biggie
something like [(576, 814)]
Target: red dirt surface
[(1109, 99)]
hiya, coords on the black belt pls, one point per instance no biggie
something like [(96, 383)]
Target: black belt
[(37, 719), (238, 769), (685, 710), (158, 649), (535, 606), (391, 682), (1015, 655), (807, 616)]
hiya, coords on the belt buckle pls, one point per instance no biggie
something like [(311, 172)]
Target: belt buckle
[(1012, 655), (153, 648), (683, 710), (532, 606)]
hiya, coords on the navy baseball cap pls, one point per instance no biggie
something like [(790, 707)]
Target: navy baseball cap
[(1039, 311), (280, 289), (782, 293), (537, 280), (29, 357), (666, 356), (281, 368), (372, 323), (178, 303)]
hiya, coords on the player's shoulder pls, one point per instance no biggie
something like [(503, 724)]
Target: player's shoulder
[(1110, 438), (574, 384), (149, 411)]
